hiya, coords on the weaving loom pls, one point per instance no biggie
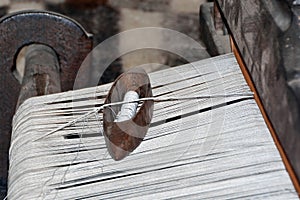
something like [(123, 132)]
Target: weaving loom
[(215, 148)]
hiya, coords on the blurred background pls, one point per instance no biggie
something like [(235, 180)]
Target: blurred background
[(104, 18)]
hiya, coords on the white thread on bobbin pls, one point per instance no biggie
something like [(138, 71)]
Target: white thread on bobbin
[(128, 110)]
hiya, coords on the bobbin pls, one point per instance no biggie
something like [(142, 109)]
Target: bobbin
[(123, 137), (70, 42)]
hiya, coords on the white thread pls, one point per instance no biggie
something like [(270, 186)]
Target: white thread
[(128, 110), (43, 193), (155, 99)]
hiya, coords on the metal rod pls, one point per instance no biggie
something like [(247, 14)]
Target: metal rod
[(41, 74)]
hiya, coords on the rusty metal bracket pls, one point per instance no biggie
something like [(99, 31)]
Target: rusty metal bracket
[(66, 37)]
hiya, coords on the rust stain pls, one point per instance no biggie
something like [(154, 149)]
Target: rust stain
[(42, 83)]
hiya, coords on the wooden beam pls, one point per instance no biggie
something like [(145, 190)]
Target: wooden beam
[(248, 79), (268, 45)]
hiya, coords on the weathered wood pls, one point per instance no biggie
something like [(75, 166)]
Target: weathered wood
[(41, 75), (266, 33), (210, 148), (212, 31)]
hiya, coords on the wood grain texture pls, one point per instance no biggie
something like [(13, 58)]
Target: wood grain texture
[(269, 44), (208, 149)]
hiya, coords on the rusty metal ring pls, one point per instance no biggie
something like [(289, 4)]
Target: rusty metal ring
[(123, 137), (66, 37)]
